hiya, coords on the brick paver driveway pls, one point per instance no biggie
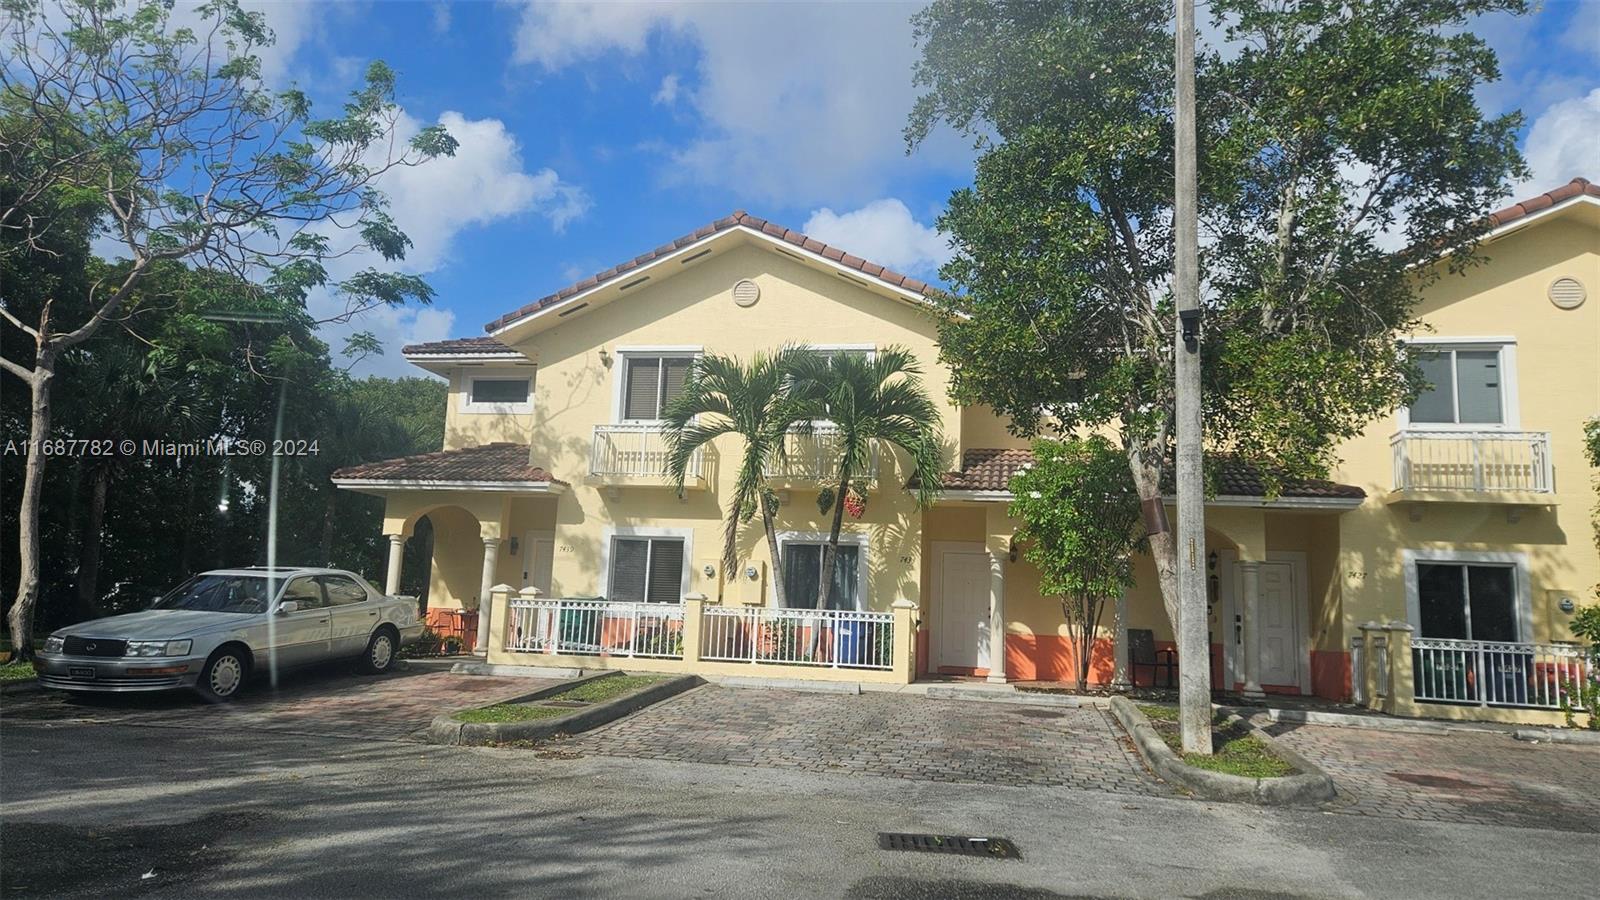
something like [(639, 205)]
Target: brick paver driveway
[(1463, 776), (898, 735), (325, 701)]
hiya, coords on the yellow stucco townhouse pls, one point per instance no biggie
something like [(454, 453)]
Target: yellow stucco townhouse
[(1465, 517)]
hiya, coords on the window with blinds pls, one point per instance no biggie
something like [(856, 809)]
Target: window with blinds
[(650, 383), (647, 570)]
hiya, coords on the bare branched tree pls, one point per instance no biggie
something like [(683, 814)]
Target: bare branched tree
[(164, 138)]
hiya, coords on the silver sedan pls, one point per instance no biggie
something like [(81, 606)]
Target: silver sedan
[(216, 629)]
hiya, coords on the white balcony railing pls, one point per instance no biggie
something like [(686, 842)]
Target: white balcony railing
[(635, 450), (1483, 461), (1494, 673), (813, 455)]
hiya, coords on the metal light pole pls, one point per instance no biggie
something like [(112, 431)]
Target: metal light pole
[(1194, 643)]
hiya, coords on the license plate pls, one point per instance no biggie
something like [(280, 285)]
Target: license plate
[(81, 671)]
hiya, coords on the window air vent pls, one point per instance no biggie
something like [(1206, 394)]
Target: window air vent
[(746, 292)]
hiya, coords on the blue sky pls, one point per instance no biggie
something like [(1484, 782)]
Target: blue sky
[(592, 133)]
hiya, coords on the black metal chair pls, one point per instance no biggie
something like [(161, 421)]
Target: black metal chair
[(1142, 652)]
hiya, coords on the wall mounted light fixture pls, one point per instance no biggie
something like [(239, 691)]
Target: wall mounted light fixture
[(513, 546), (1011, 551), (605, 358)]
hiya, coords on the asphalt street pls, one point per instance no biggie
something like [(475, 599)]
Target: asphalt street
[(97, 810)]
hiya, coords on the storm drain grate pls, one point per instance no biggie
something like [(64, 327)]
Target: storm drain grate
[(991, 847)]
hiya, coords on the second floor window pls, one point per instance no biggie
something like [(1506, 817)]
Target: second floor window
[(1465, 387), (650, 383)]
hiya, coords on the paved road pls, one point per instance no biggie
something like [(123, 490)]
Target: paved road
[(89, 808), (326, 700), (898, 735)]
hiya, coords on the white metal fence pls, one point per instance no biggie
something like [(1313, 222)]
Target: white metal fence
[(595, 628), (635, 449), (1488, 673), (814, 455), (806, 637), (1473, 461)]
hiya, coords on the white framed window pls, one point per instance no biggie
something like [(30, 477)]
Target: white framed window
[(1471, 386), (802, 570), (502, 391), (646, 565), (1468, 595), (648, 379)]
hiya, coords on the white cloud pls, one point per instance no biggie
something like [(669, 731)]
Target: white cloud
[(1564, 143), (441, 18), (800, 104), (667, 93), (884, 232), (434, 203)]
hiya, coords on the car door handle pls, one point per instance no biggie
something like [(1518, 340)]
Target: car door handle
[(373, 613)]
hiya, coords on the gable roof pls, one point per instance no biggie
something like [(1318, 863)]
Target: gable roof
[(989, 469), (487, 466), (1577, 187), (472, 346), (738, 220)]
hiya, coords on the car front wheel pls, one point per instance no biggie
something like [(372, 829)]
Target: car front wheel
[(380, 652), (223, 675)]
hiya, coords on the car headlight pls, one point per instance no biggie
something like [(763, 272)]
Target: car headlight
[(158, 648), (53, 644)]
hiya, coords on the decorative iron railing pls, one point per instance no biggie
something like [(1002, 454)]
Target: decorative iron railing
[(1493, 673), (805, 637)]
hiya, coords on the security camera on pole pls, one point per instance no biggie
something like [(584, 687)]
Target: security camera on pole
[(1194, 642)]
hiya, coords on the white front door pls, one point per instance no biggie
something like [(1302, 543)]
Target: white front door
[(538, 556), (961, 608), (1280, 625)]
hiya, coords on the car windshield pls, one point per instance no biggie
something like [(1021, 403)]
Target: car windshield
[(219, 593)]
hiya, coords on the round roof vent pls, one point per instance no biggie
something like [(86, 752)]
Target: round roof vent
[(746, 292), (1567, 292)]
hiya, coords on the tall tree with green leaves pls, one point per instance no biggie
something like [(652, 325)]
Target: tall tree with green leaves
[(1329, 133), (1080, 529), (724, 396), (171, 142), (873, 403)]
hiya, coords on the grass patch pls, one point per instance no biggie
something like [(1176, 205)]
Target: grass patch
[(15, 671), (1236, 750), (509, 712), (602, 689)]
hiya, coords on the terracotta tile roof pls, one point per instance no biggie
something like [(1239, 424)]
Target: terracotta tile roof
[(990, 469), (487, 462), (459, 347), (1575, 188), (739, 218)]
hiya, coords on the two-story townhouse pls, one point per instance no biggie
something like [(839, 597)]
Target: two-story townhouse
[(551, 480)]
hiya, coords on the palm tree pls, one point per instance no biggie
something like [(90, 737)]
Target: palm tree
[(724, 396), (872, 401)]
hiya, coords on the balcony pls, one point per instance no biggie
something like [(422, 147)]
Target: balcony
[(813, 456), (636, 453), (1473, 466)]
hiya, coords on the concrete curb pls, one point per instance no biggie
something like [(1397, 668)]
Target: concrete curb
[(25, 686), (1558, 736), (1311, 786), (479, 668), (788, 684), (1019, 698), (446, 730), (1356, 720)]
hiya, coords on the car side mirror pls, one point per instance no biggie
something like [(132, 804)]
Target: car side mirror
[(287, 606)]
